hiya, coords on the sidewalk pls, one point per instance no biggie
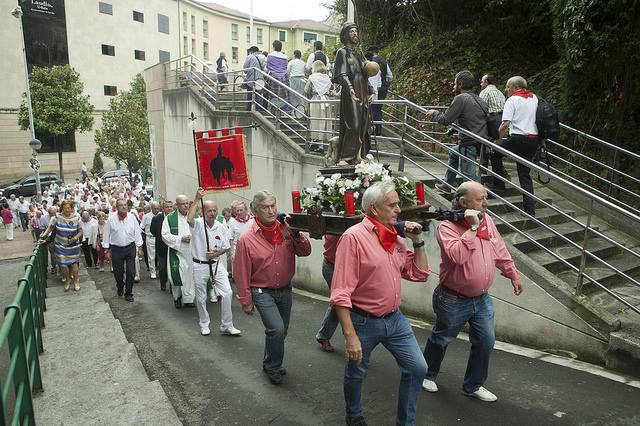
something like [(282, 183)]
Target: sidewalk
[(21, 246)]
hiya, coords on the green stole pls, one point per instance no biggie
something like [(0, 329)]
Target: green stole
[(174, 260)]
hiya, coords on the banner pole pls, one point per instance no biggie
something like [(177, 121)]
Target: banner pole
[(204, 221)]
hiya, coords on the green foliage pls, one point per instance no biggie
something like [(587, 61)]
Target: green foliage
[(98, 164), (124, 134), (59, 107)]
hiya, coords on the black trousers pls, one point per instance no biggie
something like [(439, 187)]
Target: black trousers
[(526, 148), (23, 221), (123, 258), (90, 255), (376, 110), (162, 267), (144, 250)]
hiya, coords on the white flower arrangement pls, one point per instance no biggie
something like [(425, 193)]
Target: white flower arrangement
[(328, 193)]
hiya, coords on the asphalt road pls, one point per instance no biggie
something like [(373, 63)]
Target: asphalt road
[(219, 380)]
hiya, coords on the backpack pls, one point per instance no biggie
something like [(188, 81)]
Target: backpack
[(547, 120), (319, 56)]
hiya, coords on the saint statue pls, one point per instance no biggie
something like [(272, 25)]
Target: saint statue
[(350, 72)]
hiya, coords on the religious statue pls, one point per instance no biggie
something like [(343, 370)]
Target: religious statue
[(351, 72)]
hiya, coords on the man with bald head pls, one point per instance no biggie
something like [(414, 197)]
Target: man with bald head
[(177, 235), (209, 242), (150, 240), (471, 250)]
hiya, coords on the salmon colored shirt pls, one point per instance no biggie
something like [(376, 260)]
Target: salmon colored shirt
[(258, 263), (468, 262), (369, 277)]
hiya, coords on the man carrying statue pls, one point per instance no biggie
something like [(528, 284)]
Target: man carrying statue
[(351, 72)]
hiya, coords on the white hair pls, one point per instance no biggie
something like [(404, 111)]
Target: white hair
[(376, 193)]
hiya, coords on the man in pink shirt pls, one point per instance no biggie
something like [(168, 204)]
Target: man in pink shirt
[(471, 250), (263, 265), (371, 261)]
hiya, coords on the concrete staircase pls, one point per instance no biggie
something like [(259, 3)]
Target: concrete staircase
[(91, 374)]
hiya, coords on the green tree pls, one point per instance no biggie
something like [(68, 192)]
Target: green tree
[(98, 164), (59, 107), (124, 134)]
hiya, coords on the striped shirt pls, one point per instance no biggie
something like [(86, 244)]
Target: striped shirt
[(493, 97)]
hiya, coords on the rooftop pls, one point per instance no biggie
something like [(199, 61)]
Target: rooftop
[(228, 11), (306, 24)]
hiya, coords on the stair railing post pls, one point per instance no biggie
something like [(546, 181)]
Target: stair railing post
[(402, 136), (307, 142), (614, 173), (583, 256)]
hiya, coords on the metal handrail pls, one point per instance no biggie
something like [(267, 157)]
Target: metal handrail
[(419, 135), (21, 332)]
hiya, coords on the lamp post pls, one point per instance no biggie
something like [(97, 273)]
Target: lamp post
[(33, 143)]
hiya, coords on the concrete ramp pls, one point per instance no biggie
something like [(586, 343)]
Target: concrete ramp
[(91, 374)]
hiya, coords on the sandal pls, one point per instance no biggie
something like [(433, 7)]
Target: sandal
[(66, 287), (326, 345), (76, 287)]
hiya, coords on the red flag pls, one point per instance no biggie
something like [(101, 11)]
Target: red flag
[(222, 162)]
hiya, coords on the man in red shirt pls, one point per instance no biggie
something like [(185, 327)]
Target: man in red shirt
[(471, 250), (371, 261), (263, 265)]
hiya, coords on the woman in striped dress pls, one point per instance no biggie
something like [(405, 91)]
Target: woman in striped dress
[(67, 243)]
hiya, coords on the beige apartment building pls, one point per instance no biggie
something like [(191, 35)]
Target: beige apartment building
[(108, 42), (300, 35)]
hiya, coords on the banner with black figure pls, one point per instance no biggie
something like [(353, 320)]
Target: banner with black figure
[(221, 159)]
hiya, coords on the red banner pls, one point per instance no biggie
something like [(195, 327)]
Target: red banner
[(222, 162)]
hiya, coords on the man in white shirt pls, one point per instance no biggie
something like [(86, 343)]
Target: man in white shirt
[(23, 212), (86, 222), (237, 225), (150, 241), (317, 55), (177, 236), (13, 203), (122, 236), (209, 241), (295, 71), (519, 121)]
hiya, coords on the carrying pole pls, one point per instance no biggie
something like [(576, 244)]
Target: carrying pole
[(204, 222)]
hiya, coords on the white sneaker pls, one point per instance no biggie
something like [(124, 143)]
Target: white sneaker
[(101, 269), (205, 331), (230, 331), (429, 385), (482, 394), (153, 276), (213, 299)]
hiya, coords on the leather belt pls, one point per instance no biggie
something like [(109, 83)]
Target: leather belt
[(205, 262), (453, 292), (370, 315)]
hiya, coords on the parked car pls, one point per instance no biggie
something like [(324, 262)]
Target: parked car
[(26, 186), (112, 174)]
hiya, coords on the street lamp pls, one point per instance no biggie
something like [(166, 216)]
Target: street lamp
[(33, 143)]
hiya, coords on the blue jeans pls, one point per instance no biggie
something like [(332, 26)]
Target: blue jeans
[(330, 320), (467, 168), (274, 306), (396, 335), (452, 313)]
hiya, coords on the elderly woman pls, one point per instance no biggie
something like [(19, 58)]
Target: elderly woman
[(318, 87), (67, 243), (96, 231)]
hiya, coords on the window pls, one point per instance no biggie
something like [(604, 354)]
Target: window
[(205, 28), (282, 35), (234, 31), (193, 24), (205, 50), (105, 8), (184, 21), (248, 35), (193, 46), (163, 23), (259, 35), (139, 54), (164, 56), (330, 40), (234, 55), (108, 50), (51, 144), (110, 90), (309, 37), (185, 45), (138, 16)]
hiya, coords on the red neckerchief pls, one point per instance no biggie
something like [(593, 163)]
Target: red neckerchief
[(483, 228), (122, 217), (243, 221), (388, 236), (272, 233), (524, 93)]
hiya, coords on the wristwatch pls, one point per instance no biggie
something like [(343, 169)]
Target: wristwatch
[(474, 228)]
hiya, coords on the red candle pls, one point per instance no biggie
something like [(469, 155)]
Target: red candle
[(349, 204), (295, 198), (420, 192)]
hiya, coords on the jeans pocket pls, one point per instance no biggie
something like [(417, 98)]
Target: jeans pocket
[(358, 320)]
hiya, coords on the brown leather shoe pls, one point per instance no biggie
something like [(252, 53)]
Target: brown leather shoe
[(326, 345)]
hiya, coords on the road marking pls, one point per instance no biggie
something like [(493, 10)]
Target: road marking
[(575, 364)]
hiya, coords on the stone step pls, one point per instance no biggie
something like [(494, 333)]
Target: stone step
[(599, 247), (626, 263), (501, 206), (569, 229), (545, 215)]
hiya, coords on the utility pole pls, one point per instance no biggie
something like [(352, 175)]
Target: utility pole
[(251, 43), (34, 143), (351, 15)]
